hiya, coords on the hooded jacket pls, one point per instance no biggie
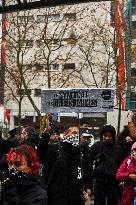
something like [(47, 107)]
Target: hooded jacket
[(106, 156), (127, 167)]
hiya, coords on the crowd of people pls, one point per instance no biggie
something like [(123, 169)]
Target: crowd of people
[(68, 168)]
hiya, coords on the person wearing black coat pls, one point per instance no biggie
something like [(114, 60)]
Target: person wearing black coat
[(4, 149), (105, 158), (67, 175), (126, 141), (21, 184), (29, 136)]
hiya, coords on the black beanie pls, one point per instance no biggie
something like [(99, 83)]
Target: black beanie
[(108, 128), (55, 130)]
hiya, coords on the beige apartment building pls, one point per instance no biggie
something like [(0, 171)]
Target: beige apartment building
[(58, 47)]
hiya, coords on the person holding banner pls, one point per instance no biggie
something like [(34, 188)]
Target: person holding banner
[(67, 174), (132, 124)]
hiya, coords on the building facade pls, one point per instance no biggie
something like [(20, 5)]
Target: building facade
[(133, 58), (61, 47)]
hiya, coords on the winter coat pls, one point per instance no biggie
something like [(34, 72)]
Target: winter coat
[(127, 167), (43, 147), (63, 174), (106, 160), (24, 191)]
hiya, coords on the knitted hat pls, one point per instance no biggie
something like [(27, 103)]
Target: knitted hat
[(55, 130), (30, 155), (133, 146), (108, 128)]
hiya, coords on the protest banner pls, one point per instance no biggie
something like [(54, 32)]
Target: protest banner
[(77, 100)]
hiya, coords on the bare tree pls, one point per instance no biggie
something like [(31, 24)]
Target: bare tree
[(59, 47)]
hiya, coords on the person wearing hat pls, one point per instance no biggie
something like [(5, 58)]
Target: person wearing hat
[(105, 158), (125, 140), (84, 124), (21, 182), (86, 138), (55, 135), (127, 174)]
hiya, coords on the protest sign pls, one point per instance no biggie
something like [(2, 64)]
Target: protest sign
[(77, 100)]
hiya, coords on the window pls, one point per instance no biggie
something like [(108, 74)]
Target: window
[(133, 25), (133, 100), (70, 16), (133, 106), (133, 72), (133, 10), (133, 96), (26, 43), (55, 66), (51, 17), (41, 18), (45, 42), (133, 3), (133, 33), (69, 66), (55, 41), (22, 92), (133, 53), (133, 82), (54, 17), (27, 67), (37, 92), (39, 67), (39, 42), (52, 41), (25, 19), (43, 67), (70, 41)]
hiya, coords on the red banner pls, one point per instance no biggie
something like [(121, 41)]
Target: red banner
[(120, 28), (7, 116)]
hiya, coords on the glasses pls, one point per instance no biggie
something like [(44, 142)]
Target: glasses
[(15, 163)]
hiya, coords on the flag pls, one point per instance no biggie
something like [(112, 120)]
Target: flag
[(7, 116)]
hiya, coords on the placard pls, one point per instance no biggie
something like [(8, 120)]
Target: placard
[(77, 100)]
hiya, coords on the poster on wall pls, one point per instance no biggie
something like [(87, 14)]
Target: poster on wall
[(77, 100)]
